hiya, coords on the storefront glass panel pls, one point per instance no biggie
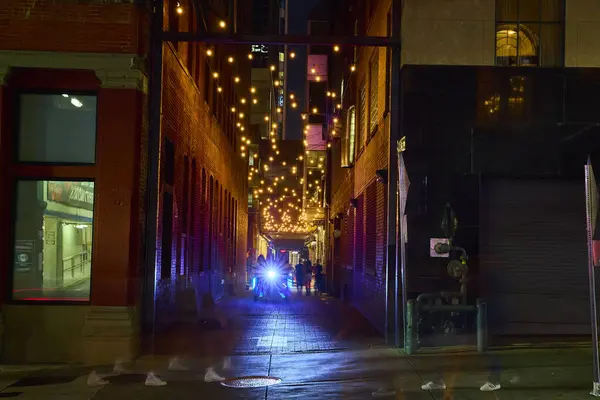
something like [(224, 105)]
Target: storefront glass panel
[(53, 241)]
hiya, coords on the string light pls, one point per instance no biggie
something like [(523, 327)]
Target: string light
[(209, 52), (336, 48), (230, 60), (222, 24)]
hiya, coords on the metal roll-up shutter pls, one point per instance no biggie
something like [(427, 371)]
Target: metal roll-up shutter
[(533, 254)]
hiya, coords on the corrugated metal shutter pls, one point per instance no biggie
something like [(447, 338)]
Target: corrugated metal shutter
[(534, 256)]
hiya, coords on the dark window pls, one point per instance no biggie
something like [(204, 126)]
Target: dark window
[(530, 33), (193, 213), (374, 92), (53, 229), (169, 167), (167, 236), (202, 221), (186, 194), (57, 128), (211, 206)]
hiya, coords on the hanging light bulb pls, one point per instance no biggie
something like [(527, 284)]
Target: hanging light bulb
[(179, 9), (215, 75), (209, 52), (353, 68), (293, 55), (230, 60), (250, 56), (255, 101), (336, 48), (232, 109), (236, 79), (222, 24)]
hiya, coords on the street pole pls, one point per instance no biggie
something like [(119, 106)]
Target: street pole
[(391, 314), (591, 195), (153, 175)]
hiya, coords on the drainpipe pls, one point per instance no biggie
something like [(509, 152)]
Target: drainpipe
[(392, 309), (153, 175)]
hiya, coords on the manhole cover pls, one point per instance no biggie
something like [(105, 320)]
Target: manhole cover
[(251, 381)]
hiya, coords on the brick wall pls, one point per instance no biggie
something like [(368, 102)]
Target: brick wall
[(368, 226), (197, 135), (48, 25)]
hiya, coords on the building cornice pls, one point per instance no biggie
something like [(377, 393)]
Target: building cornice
[(115, 71)]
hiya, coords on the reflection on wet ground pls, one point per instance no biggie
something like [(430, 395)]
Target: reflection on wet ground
[(320, 349)]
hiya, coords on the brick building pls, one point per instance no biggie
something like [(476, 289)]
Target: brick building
[(496, 116), (74, 160)]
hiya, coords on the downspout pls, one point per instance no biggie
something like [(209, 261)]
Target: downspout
[(153, 175)]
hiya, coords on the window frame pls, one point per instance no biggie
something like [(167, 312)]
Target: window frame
[(9, 284), (540, 22), (16, 125)]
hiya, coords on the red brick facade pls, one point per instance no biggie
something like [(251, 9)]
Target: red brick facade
[(362, 261), (209, 185)]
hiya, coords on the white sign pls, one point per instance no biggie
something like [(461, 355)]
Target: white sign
[(259, 48), (433, 242)]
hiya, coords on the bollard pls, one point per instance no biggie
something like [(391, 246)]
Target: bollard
[(482, 326), (409, 339)]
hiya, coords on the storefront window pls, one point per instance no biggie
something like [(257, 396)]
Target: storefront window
[(53, 241), (57, 128)]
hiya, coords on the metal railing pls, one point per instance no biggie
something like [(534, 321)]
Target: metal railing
[(75, 263)]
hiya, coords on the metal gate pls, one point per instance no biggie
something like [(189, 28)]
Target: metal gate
[(533, 256)]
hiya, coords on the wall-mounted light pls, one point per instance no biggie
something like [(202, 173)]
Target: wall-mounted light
[(382, 176)]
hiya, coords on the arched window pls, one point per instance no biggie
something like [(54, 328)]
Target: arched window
[(530, 33), (516, 45)]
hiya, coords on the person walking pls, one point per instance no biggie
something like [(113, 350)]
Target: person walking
[(319, 277), (308, 275), (300, 276)]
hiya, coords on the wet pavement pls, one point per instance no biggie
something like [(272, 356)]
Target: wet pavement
[(320, 349)]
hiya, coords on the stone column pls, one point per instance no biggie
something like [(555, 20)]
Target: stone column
[(112, 327)]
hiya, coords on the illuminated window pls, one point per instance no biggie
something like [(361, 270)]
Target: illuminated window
[(529, 32), (53, 241), (349, 139)]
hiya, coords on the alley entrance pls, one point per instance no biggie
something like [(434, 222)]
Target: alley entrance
[(242, 326)]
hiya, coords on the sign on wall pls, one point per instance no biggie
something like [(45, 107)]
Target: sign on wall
[(74, 194), (24, 251)]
